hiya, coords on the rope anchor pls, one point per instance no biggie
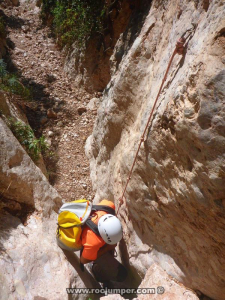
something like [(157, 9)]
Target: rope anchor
[(179, 49)]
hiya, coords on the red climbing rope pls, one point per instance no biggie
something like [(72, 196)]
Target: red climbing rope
[(179, 49)]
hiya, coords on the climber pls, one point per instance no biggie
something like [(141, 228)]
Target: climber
[(99, 250)]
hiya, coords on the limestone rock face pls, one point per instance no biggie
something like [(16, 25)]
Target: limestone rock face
[(10, 110), (157, 284), (165, 287), (175, 201), (89, 68), (24, 186), (32, 265), (19, 176)]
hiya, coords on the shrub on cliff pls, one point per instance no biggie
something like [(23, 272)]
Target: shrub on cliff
[(74, 20), (27, 139), (11, 83)]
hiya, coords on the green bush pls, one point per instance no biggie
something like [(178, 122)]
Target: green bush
[(26, 137), (75, 20), (10, 83)]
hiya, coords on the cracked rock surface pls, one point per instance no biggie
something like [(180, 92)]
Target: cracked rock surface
[(58, 105), (173, 216), (175, 201)]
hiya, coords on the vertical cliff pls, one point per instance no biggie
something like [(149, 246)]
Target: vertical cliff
[(32, 265), (174, 214), (175, 205), (89, 66)]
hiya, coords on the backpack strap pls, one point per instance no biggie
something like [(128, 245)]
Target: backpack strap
[(81, 265), (105, 208), (92, 226)]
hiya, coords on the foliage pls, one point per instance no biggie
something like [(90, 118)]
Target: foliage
[(47, 6), (3, 71), (75, 20), (16, 87), (26, 137), (11, 83)]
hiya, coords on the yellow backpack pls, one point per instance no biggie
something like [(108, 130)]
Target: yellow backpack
[(72, 216)]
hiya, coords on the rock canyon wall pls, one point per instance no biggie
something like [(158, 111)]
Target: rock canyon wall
[(175, 205), (174, 214)]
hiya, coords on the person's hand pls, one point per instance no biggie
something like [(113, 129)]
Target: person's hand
[(84, 260)]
